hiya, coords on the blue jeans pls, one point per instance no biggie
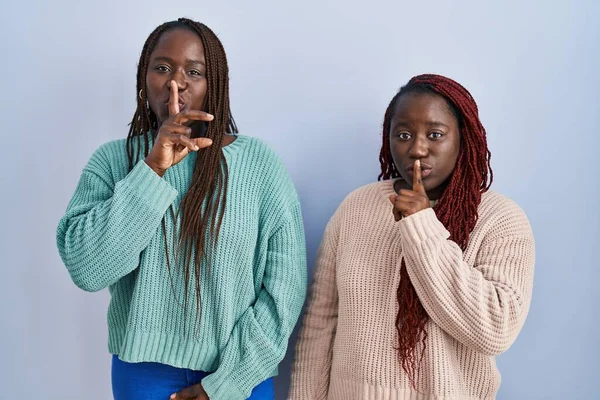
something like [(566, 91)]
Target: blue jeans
[(154, 381)]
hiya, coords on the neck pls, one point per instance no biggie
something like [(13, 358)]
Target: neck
[(433, 194), (198, 129)]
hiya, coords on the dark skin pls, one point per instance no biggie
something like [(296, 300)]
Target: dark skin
[(425, 143), (176, 86), (195, 392)]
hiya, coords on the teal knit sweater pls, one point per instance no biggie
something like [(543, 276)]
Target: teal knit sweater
[(252, 290)]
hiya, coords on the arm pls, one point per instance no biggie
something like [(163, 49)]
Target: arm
[(485, 306), (107, 225), (260, 337), (311, 369)]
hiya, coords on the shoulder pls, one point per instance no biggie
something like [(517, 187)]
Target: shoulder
[(108, 156), (364, 203), (494, 203), (255, 156), (504, 214), (257, 151), (258, 168), (368, 194)]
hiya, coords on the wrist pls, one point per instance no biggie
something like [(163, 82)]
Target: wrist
[(159, 171)]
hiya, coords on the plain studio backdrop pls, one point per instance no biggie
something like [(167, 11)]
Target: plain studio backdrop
[(312, 79)]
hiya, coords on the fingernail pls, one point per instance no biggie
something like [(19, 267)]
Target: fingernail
[(173, 396), (211, 116), (196, 147)]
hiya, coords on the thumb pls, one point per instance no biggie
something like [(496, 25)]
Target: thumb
[(202, 142), (393, 198)]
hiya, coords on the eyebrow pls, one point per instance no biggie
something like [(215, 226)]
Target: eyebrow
[(431, 123), (170, 60)]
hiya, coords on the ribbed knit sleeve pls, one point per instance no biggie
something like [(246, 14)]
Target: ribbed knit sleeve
[(259, 339), (107, 224), (485, 306), (314, 350)]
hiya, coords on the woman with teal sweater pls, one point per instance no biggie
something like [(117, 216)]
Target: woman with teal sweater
[(196, 231)]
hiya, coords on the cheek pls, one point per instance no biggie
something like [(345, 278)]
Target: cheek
[(200, 94), (452, 150), (395, 151), (456, 152), (152, 88)]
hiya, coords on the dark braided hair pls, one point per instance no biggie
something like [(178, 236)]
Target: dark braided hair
[(456, 209), (203, 206)]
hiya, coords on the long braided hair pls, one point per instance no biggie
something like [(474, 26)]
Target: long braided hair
[(203, 206), (456, 209)]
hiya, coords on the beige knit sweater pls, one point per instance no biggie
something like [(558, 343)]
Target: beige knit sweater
[(477, 301)]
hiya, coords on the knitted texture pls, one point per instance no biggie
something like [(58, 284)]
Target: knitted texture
[(477, 301), (252, 286)]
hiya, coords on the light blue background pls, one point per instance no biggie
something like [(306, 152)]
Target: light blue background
[(313, 79)]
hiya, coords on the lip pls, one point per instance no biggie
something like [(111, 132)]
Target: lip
[(425, 169), (181, 102), (424, 173)]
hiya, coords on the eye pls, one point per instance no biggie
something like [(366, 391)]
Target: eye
[(196, 72), (162, 68), (403, 135), (436, 135)]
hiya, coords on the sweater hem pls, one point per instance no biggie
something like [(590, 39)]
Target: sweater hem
[(343, 389)]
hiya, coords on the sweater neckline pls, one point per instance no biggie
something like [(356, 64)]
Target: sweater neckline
[(234, 146)]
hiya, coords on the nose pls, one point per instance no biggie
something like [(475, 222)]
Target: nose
[(418, 148), (180, 78)]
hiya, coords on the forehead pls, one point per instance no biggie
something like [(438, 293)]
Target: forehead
[(423, 108), (179, 42)]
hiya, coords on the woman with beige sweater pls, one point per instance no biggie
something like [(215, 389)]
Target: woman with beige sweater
[(425, 276)]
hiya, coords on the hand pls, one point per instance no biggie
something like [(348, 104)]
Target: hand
[(409, 202), (195, 392), (173, 141)]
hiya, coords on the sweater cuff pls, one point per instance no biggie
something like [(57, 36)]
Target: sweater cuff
[(417, 228), (150, 187), (219, 386)]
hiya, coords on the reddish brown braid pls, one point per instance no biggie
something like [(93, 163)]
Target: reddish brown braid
[(208, 187), (456, 209)]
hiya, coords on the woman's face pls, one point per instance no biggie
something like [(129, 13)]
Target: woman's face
[(178, 56), (424, 128)]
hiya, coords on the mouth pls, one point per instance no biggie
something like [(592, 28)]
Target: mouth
[(424, 173), (181, 102), (425, 170)]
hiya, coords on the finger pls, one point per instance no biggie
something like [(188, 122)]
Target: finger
[(175, 128), (404, 204), (187, 393), (182, 395), (185, 141), (410, 204), (408, 193), (395, 211), (405, 199), (174, 99), (194, 115), (202, 142), (417, 179)]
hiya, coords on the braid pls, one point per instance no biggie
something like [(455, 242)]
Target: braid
[(456, 209), (198, 231)]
